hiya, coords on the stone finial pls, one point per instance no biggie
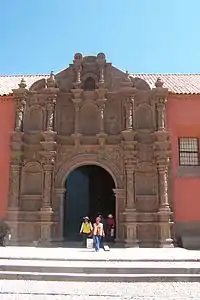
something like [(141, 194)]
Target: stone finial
[(101, 56), (51, 80), (127, 78), (78, 56), (101, 59), (22, 84), (159, 83), (78, 59)]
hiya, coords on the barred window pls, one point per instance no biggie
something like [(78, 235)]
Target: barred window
[(188, 151)]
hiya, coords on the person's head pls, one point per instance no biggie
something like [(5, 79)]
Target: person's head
[(86, 219), (110, 216), (98, 220)]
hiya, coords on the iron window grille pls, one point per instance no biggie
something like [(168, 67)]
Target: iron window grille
[(188, 151)]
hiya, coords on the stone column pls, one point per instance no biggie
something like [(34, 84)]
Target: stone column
[(130, 183), (162, 171), (20, 104), (120, 206), (50, 114), (20, 95), (164, 210), (161, 114), (13, 204), (46, 209), (59, 209), (77, 102), (101, 117), (129, 114), (48, 172)]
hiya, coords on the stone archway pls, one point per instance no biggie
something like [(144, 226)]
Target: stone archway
[(84, 160), (88, 159)]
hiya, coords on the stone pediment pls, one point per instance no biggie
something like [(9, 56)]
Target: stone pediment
[(92, 71)]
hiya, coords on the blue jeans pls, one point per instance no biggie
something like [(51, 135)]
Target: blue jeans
[(97, 242)]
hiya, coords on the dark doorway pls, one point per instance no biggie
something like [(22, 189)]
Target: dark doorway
[(89, 193)]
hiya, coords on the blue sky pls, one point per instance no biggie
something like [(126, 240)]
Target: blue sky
[(149, 36)]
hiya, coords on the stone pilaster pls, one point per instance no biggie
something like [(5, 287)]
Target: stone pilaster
[(162, 154), (164, 210), (130, 213), (130, 186), (46, 211), (48, 174), (120, 200), (13, 202), (58, 207)]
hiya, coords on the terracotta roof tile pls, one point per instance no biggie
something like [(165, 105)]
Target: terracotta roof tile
[(176, 83)]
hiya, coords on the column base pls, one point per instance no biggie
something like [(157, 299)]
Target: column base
[(76, 137), (131, 244), (167, 244)]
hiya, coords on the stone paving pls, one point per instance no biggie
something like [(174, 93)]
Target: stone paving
[(31, 290), (89, 254)]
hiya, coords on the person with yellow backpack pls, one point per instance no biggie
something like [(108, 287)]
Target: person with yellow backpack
[(86, 230)]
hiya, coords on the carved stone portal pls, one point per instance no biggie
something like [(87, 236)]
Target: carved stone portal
[(90, 114)]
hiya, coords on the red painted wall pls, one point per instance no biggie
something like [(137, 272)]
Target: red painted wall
[(183, 118), (6, 127)]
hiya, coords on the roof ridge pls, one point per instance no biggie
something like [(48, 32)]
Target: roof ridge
[(24, 75), (187, 74)]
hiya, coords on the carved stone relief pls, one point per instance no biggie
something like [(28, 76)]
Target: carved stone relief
[(102, 116), (31, 179)]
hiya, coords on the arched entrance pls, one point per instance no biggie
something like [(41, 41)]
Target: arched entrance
[(89, 191)]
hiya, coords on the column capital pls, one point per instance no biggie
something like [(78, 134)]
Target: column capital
[(119, 193), (59, 191)]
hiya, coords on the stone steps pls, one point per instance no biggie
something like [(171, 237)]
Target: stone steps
[(99, 271), (77, 277)]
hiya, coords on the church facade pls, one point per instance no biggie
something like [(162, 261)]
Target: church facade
[(90, 114)]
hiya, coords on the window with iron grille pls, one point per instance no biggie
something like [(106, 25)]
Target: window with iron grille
[(188, 151)]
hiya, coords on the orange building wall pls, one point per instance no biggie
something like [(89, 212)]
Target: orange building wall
[(183, 118), (6, 127)]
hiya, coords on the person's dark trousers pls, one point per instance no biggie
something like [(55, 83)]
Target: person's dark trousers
[(101, 241), (2, 242), (85, 236)]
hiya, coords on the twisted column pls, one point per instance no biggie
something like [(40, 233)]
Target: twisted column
[(50, 115), (20, 104)]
